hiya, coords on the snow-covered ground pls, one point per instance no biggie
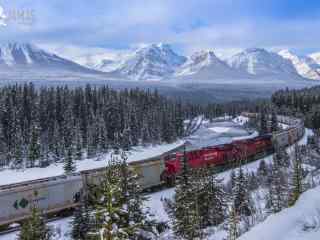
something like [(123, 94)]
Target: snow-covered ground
[(11, 176), (61, 227), (300, 222), (241, 120), (218, 132)]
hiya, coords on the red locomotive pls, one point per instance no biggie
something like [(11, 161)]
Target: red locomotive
[(221, 155)]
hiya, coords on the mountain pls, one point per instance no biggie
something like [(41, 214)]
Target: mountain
[(258, 61), (315, 57), (205, 65), (305, 65), (28, 56), (28, 62), (151, 62)]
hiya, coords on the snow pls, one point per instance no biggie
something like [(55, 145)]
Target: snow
[(315, 56), (62, 226), (305, 65), (241, 120), (200, 60), (283, 126), (302, 221), (258, 61), (220, 129), (151, 62), (155, 203), (216, 133), (252, 135), (11, 176)]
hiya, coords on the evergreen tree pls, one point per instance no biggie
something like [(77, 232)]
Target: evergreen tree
[(233, 224), (274, 122), (241, 196), (138, 218), (110, 213), (277, 189), (263, 122), (81, 222), (296, 188), (34, 147), (35, 228), (69, 165), (184, 211), (211, 197), (119, 203), (281, 156)]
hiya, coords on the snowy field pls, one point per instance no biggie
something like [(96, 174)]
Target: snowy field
[(300, 222)]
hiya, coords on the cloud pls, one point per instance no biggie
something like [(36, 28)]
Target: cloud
[(189, 25), (83, 54), (3, 17)]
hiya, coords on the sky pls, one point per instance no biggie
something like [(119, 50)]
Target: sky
[(227, 26)]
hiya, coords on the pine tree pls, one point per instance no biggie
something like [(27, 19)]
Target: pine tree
[(281, 156), (138, 218), (211, 197), (263, 122), (78, 143), (34, 147), (184, 211), (119, 203), (274, 122), (277, 189), (35, 228), (241, 196), (297, 178), (69, 165), (81, 222), (233, 228)]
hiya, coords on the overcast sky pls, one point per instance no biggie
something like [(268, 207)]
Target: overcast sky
[(189, 25)]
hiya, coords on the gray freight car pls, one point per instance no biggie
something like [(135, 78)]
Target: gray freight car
[(50, 195)]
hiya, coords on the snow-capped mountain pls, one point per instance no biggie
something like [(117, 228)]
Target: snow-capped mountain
[(199, 61), (151, 62), (28, 56), (315, 57), (305, 65), (258, 61), (207, 65)]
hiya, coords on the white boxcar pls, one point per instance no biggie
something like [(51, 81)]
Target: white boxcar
[(49, 195)]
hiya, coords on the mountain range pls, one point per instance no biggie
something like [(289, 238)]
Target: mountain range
[(158, 62)]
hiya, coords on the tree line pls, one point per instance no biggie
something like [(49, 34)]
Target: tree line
[(303, 103), (39, 126)]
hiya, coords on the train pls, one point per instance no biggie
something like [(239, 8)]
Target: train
[(235, 153), (56, 194)]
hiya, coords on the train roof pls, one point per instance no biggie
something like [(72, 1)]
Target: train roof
[(10, 177)]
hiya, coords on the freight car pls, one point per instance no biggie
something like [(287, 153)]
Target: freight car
[(55, 194)]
